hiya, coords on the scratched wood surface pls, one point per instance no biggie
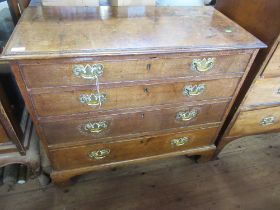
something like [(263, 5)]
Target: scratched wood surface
[(245, 177), (70, 31)]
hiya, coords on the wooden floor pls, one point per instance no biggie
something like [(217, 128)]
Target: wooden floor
[(247, 176)]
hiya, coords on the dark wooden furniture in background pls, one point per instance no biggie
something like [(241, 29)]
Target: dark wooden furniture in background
[(107, 86), (16, 8), (11, 135), (18, 142), (256, 109)]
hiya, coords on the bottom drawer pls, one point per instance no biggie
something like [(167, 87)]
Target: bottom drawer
[(256, 121), (95, 154)]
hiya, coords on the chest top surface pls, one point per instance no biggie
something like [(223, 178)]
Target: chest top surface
[(50, 32)]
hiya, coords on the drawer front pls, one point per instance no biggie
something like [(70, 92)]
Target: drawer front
[(93, 128), (83, 101), (68, 74), (3, 136), (257, 121), (264, 92), (273, 67), (95, 154)]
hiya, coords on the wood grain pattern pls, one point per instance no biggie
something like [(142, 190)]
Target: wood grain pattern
[(248, 165), (158, 67), (68, 102), (70, 130), (75, 157), (147, 54), (273, 67), (264, 92), (63, 177), (71, 32), (248, 122), (258, 17)]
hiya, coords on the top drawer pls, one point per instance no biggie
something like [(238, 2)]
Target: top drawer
[(108, 71), (273, 67)]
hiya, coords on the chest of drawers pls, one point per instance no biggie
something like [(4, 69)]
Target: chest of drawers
[(257, 106), (108, 86)]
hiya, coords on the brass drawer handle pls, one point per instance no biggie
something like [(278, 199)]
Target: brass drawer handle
[(278, 91), (270, 120), (186, 115), (203, 65), (93, 99), (88, 71), (180, 141), (194, 90), (99, 154), (94, 127)]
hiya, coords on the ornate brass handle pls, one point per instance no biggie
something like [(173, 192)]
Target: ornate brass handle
[(270, 120), (278, 91), (88, 71), (194, 90), (94, 127), (203, 65), (93, 99), (99, 154), (186, 115), (180, 141)]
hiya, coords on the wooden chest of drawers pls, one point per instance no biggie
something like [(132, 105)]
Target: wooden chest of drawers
[(257, 106), (109, 86)]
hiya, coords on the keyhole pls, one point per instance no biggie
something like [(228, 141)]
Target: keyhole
[(146, 90), (149, 67), (142, 115)]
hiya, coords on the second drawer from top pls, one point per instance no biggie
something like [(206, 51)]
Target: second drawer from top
[(79, 101)]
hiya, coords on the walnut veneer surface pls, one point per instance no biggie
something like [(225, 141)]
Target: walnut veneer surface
[(108, 86)]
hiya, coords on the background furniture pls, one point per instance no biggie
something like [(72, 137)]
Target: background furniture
[(256, 109), (18, 142), (16, 8), (146, 93)]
